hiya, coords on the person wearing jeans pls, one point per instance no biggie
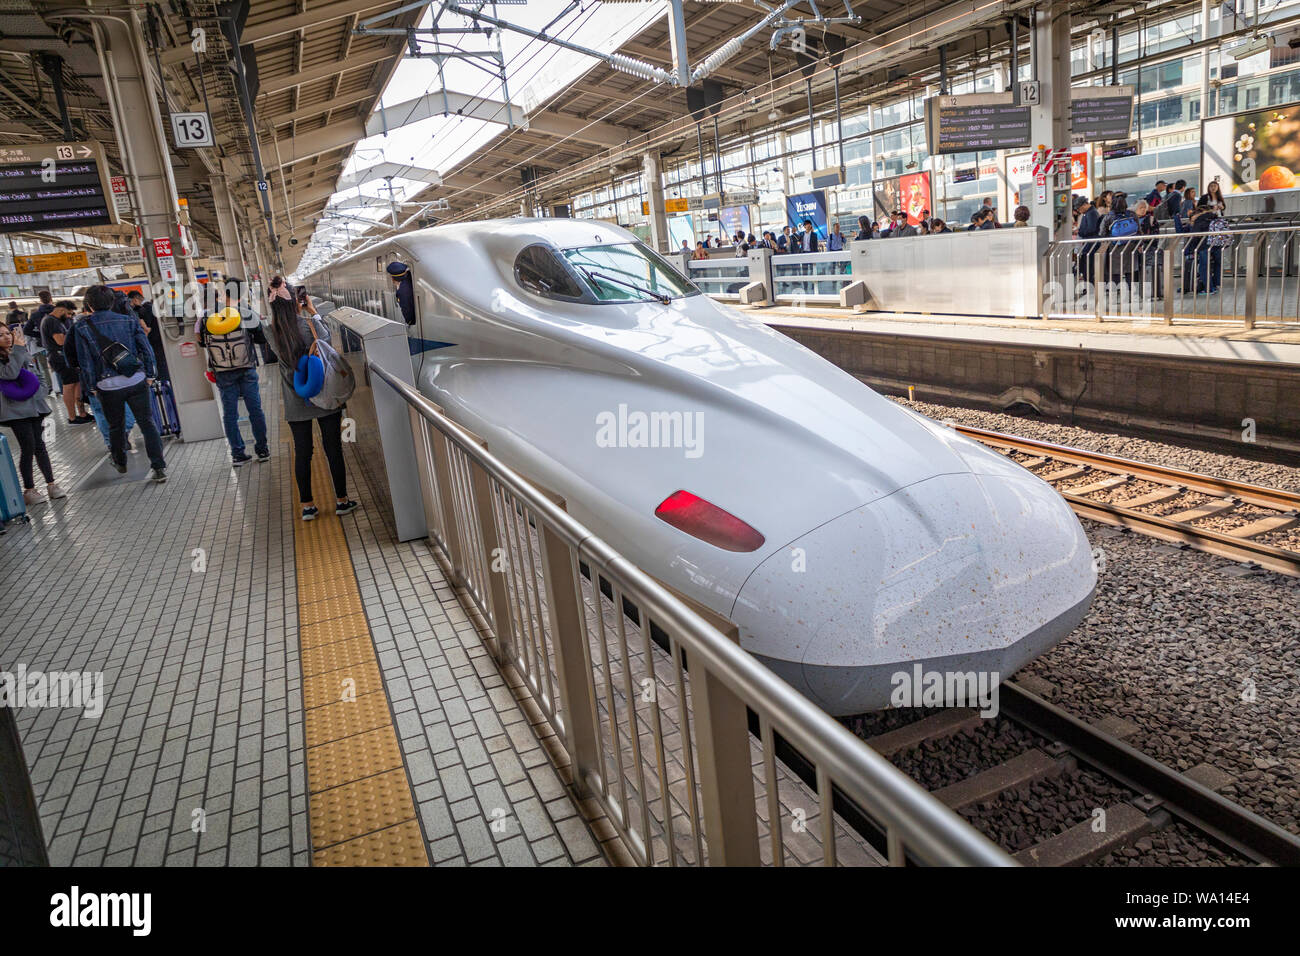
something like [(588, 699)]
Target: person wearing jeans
[(117, 365), (101, 421), (234, 385)]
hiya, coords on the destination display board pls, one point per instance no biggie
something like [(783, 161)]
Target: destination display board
[(1101, 113), (54, 186), (981, 121)]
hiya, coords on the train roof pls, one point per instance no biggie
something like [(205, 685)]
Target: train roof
[(500, 235)]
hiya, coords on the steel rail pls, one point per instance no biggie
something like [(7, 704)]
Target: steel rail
[(1202, 808), (1223, 544), (1208, 484)]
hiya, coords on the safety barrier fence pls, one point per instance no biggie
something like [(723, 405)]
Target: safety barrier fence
[(1242, 275), (651, 701), (1245, 275)]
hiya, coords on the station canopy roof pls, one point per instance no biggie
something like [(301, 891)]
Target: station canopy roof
[(339, 154)]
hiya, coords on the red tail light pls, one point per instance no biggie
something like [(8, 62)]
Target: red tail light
[(706, 521)]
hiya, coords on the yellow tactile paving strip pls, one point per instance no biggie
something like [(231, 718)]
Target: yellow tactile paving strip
[(360, 808)]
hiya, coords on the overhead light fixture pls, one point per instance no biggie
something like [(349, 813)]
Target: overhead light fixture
[(1255, 44)]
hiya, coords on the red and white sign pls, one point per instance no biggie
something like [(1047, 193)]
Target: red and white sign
[(121, 195), (189, 350), (162, 247), (1040, 184)]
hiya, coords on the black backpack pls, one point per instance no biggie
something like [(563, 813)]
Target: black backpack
[(119, 359)]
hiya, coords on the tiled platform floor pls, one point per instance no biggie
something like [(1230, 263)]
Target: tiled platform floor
[(198, 755)]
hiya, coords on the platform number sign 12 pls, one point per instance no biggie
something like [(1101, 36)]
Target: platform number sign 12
[(192, 130)]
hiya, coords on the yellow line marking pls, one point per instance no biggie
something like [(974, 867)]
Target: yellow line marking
[(360, 807)]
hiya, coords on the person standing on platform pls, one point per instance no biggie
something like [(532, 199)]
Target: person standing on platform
[(23, 410), (46, 306), (15, 315), (808, 241), (117, 367), (97, 416), (233, 367), (56, 332), (864, 229), (291, 337), (835, 241), (149, 322)]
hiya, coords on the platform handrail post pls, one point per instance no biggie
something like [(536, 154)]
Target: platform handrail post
[(1168, 254), (760, 270), (1099, 282), (498, 597), (569, 642), (726, 777), (1252, 282), (450, 528), (424, 469)]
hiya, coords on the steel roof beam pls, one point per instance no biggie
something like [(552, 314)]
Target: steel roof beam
[(284, 26), (447, 102)]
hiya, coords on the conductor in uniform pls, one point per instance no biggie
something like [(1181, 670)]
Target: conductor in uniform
[(400, 273)]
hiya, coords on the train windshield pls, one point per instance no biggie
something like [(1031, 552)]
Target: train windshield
[(628, 272)]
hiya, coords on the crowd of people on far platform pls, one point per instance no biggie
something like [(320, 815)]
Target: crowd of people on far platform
[(103, 357), (804, 237)]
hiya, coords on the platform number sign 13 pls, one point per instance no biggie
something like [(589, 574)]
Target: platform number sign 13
[(191, 130)]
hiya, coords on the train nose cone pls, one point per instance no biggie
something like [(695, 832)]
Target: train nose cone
[(962, 572)]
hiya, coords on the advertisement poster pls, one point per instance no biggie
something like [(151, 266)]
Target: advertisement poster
[(735, 219), (811, 206), (910, 193), (1253, 152)]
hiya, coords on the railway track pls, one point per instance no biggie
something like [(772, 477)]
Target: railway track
[(1232, 519), (1148, 798)]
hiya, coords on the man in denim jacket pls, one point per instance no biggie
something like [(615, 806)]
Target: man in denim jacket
[(116, 391)]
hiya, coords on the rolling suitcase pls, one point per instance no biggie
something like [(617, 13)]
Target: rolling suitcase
[(164, 409), (12, 506)]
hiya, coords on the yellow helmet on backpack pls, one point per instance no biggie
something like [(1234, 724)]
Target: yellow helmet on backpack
[(223, 322)]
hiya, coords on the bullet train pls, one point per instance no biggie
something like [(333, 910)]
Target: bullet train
[(847, 537)]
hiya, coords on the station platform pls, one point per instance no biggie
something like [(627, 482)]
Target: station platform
[(1207, 340), (274, 692)]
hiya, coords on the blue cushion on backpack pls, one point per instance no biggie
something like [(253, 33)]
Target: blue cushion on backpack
[(309, 379)]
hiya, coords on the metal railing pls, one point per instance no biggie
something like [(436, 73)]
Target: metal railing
[(1241, 275), (721, 277), (811, 276), (652, 702)]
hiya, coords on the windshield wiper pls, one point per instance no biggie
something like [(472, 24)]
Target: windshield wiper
[(657, 296)]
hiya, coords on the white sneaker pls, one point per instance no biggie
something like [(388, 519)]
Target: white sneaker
[(32, 497), (54, 491)]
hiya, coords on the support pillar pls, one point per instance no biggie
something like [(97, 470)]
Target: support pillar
[(654, 193), (1050, 121), (231, 253), (133, 102)]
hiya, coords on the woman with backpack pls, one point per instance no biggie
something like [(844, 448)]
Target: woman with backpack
[(23, 409), (292, 334), (1149, 257), (1120, 223)]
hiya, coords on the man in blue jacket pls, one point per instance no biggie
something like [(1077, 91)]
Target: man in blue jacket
[(118, 366)]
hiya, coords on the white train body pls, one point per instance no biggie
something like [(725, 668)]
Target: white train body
[(887, 539)]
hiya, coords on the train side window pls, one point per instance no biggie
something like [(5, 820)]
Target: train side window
[(538, 269)]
